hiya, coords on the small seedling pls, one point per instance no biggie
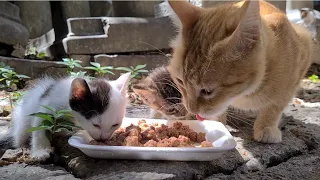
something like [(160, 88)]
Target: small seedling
[(100, 70), (71, 64), (9, 77), (80, 74), (54, 122), (314, 78), (34, 54), (15, 96), (135, 71)]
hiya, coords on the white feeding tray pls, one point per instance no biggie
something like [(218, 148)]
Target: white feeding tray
[(215, 131)]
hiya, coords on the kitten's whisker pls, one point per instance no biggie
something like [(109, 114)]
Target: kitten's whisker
[(228, 121), (161, 52)]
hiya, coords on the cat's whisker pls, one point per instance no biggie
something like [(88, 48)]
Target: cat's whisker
[(161, 52), (238, 128), (233, 116)]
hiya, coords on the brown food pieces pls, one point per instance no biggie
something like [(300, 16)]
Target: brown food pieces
[(156, 135)]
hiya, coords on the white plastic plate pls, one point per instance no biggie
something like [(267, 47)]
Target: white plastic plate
[(215, 131)]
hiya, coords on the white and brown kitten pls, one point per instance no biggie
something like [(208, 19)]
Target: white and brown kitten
[(246, 55), (98, 106), (159, 92)]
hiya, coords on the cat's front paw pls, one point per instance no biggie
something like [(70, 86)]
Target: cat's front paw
[(41, 155), (268, 135)]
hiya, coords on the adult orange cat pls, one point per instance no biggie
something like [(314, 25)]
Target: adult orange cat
[(246, 55)]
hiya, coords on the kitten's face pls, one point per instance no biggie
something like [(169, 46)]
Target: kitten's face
[(150, 94), (215, 59), (99, 106)]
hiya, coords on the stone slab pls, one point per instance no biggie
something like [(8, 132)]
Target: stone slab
[(152, 61), (10, 10), (12, 31), (36, 17), (134, 8), (34, 172), (34, 68), (119, 35), (85, 26), (101, 8)]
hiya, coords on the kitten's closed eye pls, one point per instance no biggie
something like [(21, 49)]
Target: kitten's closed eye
[(179, 81), (115, 125), (206, 92), (96, 126)]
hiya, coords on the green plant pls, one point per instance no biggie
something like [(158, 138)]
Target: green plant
[(32, 52), (53, 122), (314, 78), (80, 74), (9, 77), (71, 64), (100, 70), (135, 71), (15, 96)]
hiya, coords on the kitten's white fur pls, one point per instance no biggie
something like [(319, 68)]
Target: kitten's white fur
[(58, 98)]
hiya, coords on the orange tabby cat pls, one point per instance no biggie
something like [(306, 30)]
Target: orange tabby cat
[(246, 55)]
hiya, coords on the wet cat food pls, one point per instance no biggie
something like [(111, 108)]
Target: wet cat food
[(156, 135)]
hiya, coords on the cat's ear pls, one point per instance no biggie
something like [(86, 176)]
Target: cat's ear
[(122, 82), (143, 91), (247, 33), (186, 12), (79, 89)]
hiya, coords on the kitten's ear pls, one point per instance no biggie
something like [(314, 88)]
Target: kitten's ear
[(186, 12), (79, 89), (146, 93), (122, 82), (247, 33)]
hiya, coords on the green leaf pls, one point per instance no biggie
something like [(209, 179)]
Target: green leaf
[(22, 76), (49, 135), (77, 65), (49, 108), (142, 71), (123, 69), (92, 68), (2, 79), (77, 61), (63, 116), (41, 115), (106, 67), (141, 66), (95, 64), (6, 75), (63, 111), (66, 59), (60, 129), (9, 83), (107, 72), (37, 128), (46, 123), (41, 55)]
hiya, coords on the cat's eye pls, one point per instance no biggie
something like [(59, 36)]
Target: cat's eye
[(115, 125), (96, 126), (179, 81), (171, 110), (206, 92)]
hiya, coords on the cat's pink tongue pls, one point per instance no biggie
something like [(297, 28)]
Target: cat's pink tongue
[(199, 117)]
